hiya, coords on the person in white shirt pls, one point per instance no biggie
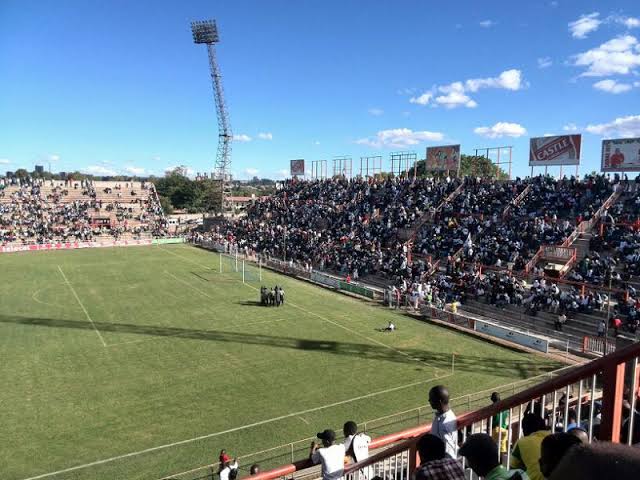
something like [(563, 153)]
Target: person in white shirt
[(445, 424), (330, 455), (356, 444), (391, 327), (230, 470)]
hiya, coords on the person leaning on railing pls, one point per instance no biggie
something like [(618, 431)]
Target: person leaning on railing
[(445, 423)]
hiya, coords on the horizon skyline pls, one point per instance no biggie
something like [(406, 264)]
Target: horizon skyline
[(85, 90)]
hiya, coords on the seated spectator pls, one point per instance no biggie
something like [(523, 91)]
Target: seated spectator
[(255, 469), (481, 453), (330, 455), (434, 463), (526, 451), (600, 460), (445, 423), (553, 449)]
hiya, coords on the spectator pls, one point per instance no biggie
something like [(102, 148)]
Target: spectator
[(602, 328), (255, 469), (434, 463), (481, 453), (600, 460), (445, 424), (356, 444), (526, 451), (330, 455), (562, 319), (223, 459), (553, 449), (230, 470), (500, 425)]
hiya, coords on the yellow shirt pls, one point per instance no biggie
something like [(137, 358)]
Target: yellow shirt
[(526, 454)]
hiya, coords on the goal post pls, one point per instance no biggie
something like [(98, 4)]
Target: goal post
[(246, 270)]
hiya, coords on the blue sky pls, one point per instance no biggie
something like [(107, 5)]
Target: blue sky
[(118, 86)]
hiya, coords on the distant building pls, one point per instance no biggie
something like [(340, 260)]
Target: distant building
[(39, 169)]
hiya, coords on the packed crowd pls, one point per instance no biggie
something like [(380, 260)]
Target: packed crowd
[(38, 211)]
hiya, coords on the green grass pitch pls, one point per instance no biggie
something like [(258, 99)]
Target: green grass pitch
[(135, 363)]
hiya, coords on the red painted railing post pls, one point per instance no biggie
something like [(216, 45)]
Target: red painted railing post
[(414, 457), (612, 393)]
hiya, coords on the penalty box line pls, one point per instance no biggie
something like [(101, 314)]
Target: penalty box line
[(236, 429), (73, 290)]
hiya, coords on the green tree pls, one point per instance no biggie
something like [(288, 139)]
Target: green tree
[(470, 166)]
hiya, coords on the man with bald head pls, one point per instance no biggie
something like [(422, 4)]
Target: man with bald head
[(445, 423)]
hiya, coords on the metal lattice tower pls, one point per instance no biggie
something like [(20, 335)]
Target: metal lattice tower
[(206, 32)]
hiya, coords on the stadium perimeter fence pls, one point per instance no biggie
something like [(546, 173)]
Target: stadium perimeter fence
[(298, 450)]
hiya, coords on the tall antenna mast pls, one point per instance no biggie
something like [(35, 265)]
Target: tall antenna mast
[(206, 32)]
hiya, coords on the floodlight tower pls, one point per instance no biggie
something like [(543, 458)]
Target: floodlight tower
[(206, 32)]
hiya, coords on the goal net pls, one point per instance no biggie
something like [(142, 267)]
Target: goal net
[(240, 268)]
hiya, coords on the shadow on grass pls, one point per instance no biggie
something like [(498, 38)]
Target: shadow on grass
[(494, 365)]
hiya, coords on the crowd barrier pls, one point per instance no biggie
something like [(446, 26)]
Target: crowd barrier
[(602, 381), (76, 245), (292, 269), (598, 345)]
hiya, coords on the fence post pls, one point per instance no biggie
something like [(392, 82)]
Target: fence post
[(612, 396), (414, 458)]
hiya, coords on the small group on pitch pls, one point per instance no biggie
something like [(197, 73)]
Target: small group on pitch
[(272, 297)]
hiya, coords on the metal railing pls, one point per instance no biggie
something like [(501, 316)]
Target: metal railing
[(593, 393)]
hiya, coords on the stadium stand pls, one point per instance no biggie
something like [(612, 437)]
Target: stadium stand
[(35, 211)]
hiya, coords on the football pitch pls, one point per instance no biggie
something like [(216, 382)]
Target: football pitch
[(138, 363)]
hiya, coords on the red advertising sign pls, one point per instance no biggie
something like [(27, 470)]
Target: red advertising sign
[(621, 155), (560, 150)]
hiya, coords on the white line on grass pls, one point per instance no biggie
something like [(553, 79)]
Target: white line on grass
[(205, 294), (66, 280), (236, 429), (322, 318)]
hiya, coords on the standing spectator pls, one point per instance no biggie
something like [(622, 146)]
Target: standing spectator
[(526, 452), (500, 426), (223, 459), (481, 453), (445, 423), (356, 444), (602, 328), (553, 449), (330, 455), (230, 470), (562, 319), (434, 463)]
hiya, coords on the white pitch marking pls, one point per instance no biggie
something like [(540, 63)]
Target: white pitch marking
[(104, 344), (235, 429), (322, 318), (303, 419), (190, 286)]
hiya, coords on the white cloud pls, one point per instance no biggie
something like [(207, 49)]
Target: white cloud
[(376, 112), (585, 25), (134, 170), (423, 99), (317, 142), (400, 138), (544, 62), (570, 127), (406, 91), (619, 55), (621, 127), (501, 129), (627, 22), (241, 138), (265, 136), (155, 158), (509, 80), (4, 161), (284, 173), (612, 86), (99, 170), (548, 134), (53, 158), (252, 172), (553, 4), (456, 94), (487, 23)]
